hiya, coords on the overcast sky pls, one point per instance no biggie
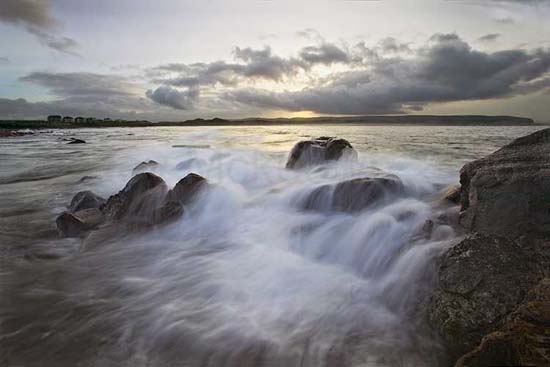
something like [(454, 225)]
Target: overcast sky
[(183, 59)]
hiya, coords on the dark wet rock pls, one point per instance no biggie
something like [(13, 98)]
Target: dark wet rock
[(481, 280), (168, 212), (146, 166), (317, 151), (186, 189), (452, 194), (353, 195), (182, 194), (523, 340), (508, 192), (76, 141), (119, 205), (142, 209), (86, 200), (188, 163), (78, 223)]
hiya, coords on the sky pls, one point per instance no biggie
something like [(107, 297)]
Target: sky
[(177, 60)]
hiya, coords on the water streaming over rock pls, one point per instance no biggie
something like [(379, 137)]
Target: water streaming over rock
[(249, 276)]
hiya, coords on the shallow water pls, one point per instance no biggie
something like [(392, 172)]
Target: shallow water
[(246, 277)]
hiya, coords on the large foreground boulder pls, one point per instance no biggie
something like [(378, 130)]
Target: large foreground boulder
[(353, 195), (505, 208), (481, 280), (508, 192), (318, 151), (524, 340)]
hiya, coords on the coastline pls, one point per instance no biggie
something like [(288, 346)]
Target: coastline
[(405, 120)]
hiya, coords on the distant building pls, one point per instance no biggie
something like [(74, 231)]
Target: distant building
[(107, 119), (54, 118), (79, 120), (90, 119), (68, 119)]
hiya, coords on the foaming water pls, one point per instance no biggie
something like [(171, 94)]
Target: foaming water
[(247, 277)]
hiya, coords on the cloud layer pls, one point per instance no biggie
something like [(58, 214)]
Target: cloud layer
[(323, 77), (35, 16)]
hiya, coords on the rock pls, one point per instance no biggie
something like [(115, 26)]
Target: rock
[(523, 340), (508, 192), (182, 194), (186, 189), (118, 205), (353, 195), (6, 133), (146, 166), (481, 280), (86, 200), (78, 223), (451, 194), (168, 212), (317, 151), (76, 141)]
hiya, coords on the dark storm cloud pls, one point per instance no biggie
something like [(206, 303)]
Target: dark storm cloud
[(35, 16), (171, 97), (35, 13), (254, 64), (491, 37), (447, 69), (391, 45), (326, 54), (80, 94), (80, 84)]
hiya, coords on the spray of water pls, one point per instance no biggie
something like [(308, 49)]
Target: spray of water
[(246, 278)]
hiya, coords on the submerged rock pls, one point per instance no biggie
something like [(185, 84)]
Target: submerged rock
[(318, 151), (508, 192), (353, 195), (523, 340), (146, 166), (86, 200)]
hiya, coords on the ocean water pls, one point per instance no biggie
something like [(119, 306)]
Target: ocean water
[(246, 277)]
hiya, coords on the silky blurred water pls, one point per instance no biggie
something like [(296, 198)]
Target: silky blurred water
[(246, 277)]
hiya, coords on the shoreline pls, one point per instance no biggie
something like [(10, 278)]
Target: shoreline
[(414, 120)]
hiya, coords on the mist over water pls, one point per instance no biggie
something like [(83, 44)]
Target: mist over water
[(246, 277)]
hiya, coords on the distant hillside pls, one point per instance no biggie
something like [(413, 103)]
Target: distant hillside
[(372, 120)]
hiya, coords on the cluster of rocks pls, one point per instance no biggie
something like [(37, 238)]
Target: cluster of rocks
[(321, 150), (492, 302), (5, 133), (483, 307), (143, 203)]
